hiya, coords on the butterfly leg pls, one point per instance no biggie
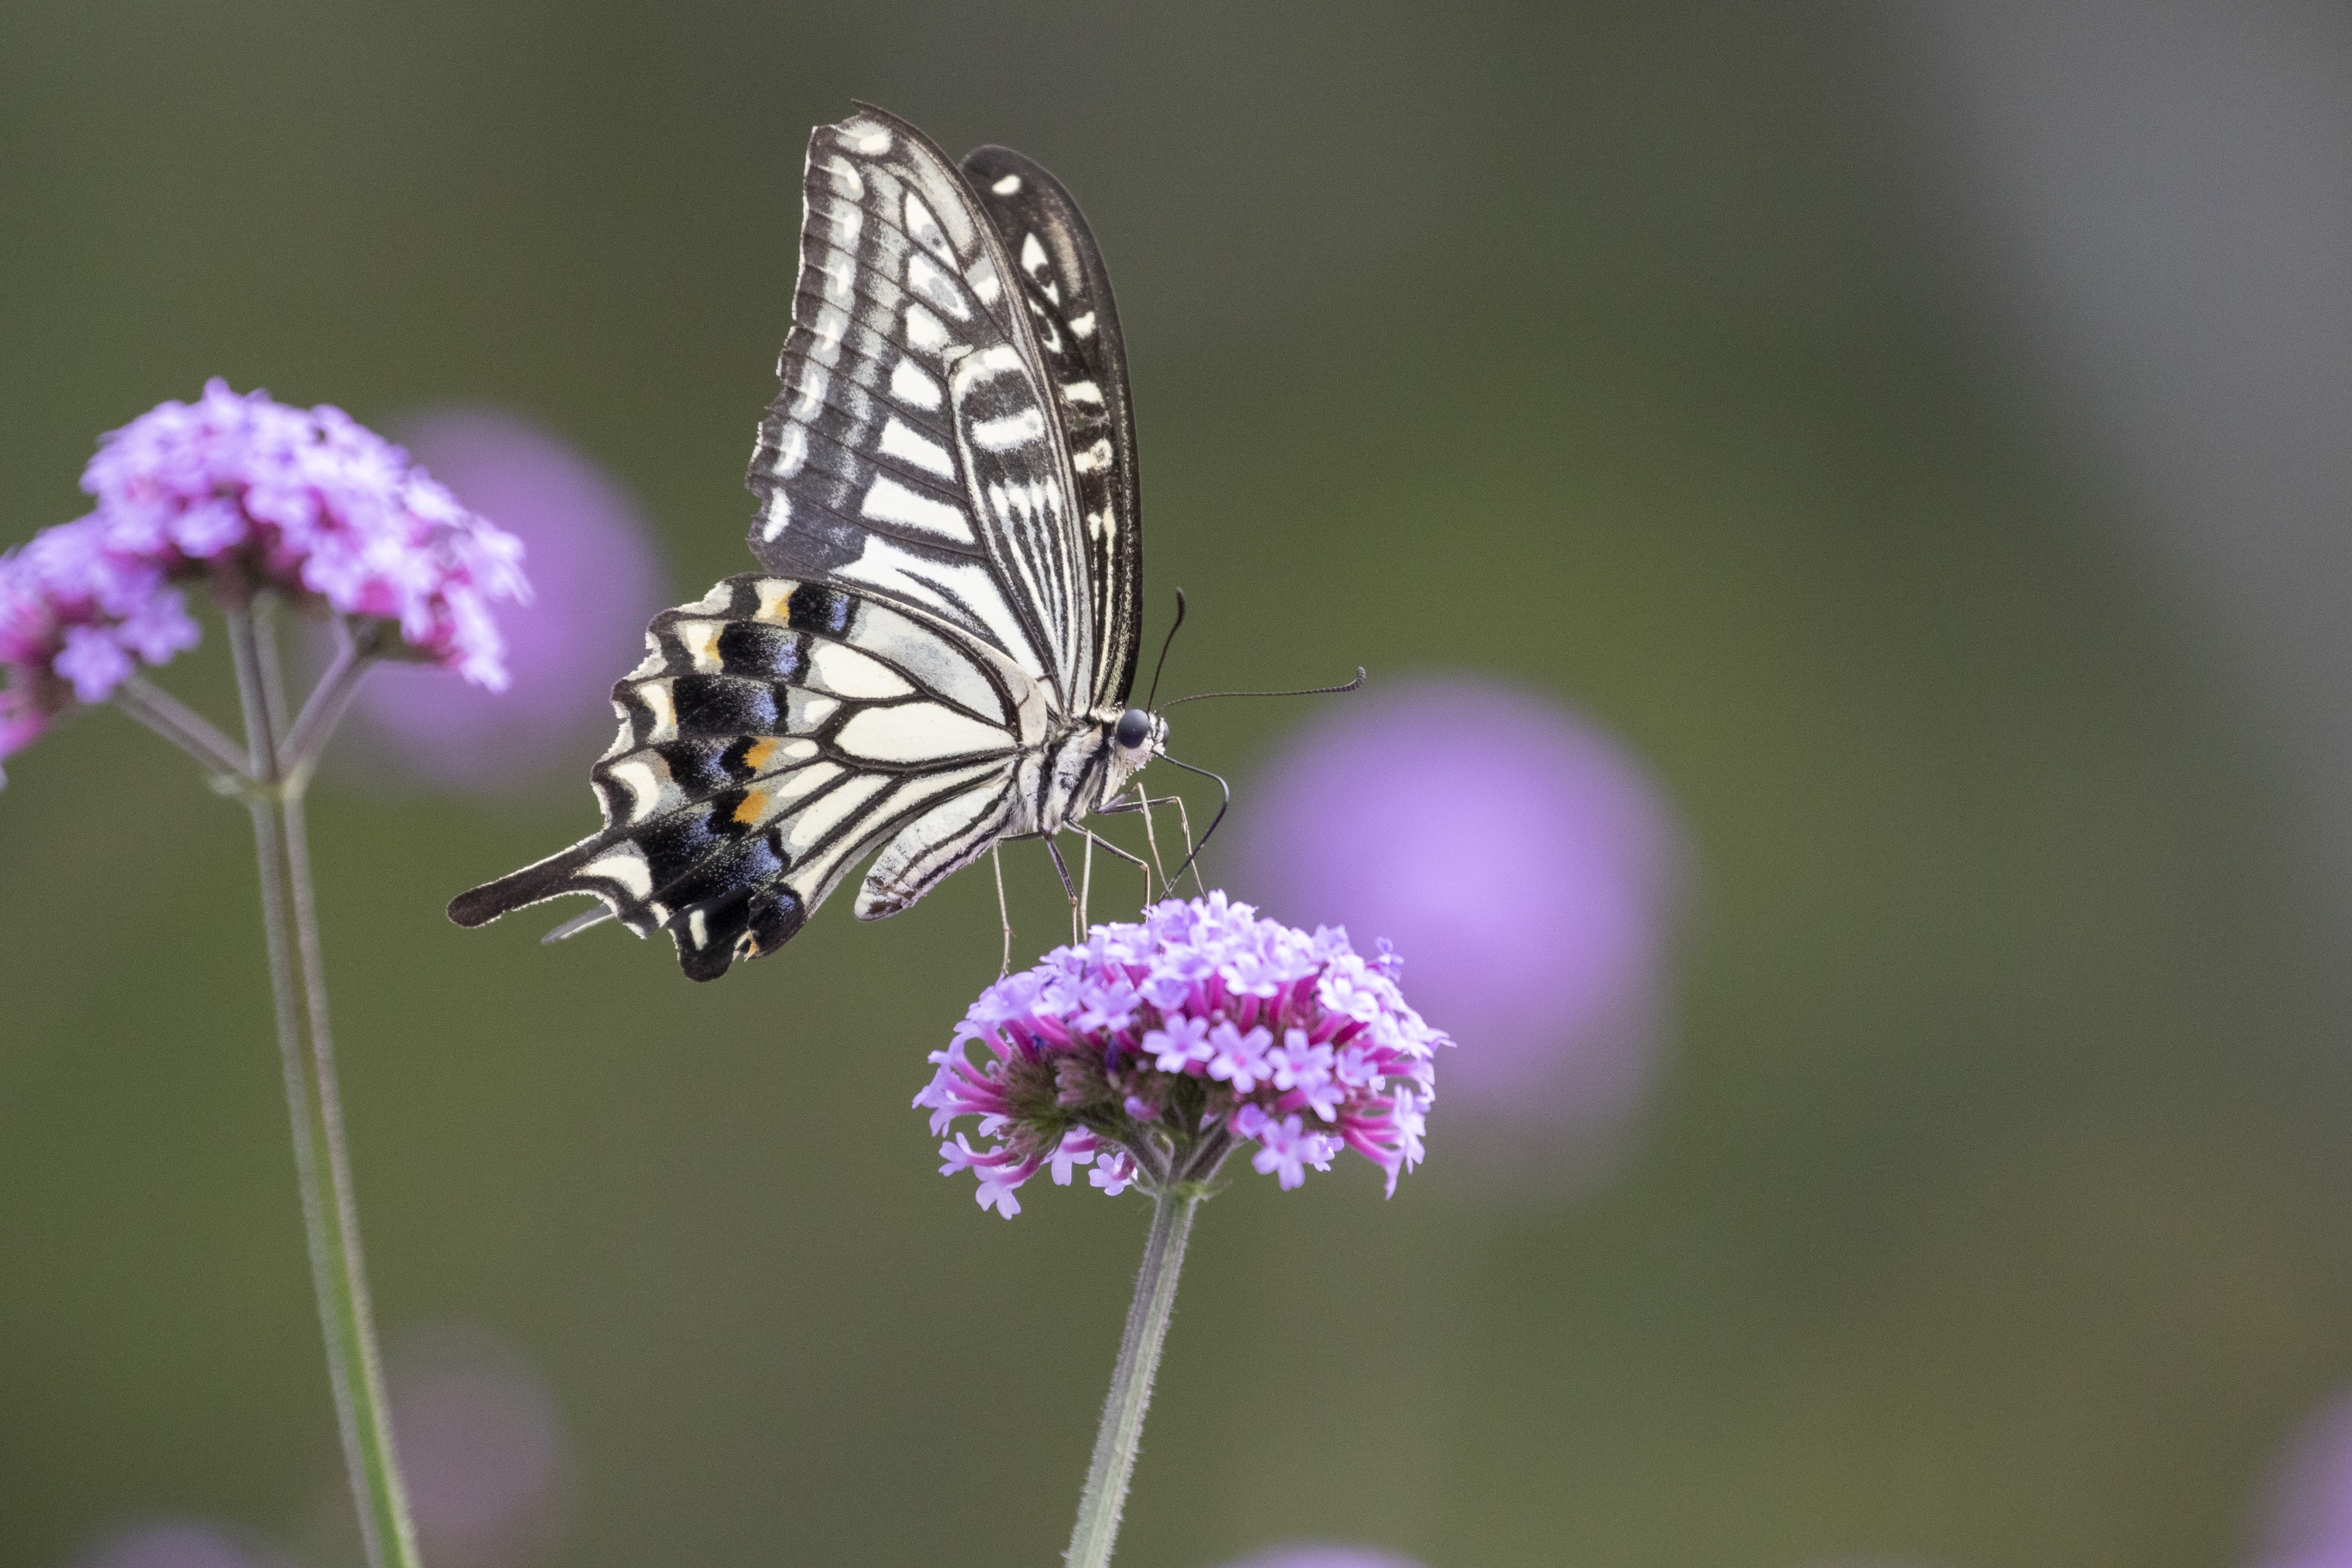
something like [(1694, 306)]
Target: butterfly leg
[(1086, 887), (1191, 854), (1142, 806), (1069, 888), (1134, 860), (1004, 964)]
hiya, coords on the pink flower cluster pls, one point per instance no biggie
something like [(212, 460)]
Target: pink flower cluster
[(1155, 1047), (248, 494)]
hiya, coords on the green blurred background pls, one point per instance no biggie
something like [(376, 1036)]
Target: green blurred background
[(1992, 1211)]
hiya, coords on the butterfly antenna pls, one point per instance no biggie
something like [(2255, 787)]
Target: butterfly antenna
[(1165, 647), (1355, 684), (1212, 831)]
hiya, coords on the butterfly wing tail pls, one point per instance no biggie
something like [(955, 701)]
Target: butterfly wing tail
[(535, 884), (739, 917)]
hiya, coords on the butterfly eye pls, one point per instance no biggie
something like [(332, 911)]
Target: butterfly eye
[(1134, 728)]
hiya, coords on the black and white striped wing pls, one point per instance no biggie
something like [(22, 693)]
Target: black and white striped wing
[(916, 452), (777, 733), (1067, 290), (947, 516)]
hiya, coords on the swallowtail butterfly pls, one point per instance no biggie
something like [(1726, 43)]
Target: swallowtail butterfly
[(938, 651)]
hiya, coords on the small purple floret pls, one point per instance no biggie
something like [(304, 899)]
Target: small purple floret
[(1201, 1026), (246, 494)]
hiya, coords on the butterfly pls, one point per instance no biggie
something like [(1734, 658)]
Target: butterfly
[(938, 652)]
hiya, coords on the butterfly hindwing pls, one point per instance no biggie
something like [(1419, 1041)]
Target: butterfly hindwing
[(1067, 290), (776, 734), (914, 452)]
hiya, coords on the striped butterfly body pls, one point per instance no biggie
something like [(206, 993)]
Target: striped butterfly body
[(938, 653)]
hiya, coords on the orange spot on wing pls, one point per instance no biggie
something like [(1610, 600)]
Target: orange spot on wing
[(756, 757), (754, 802)]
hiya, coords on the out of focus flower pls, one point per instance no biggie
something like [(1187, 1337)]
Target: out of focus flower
[(1155, 1047), (1519, 855), (244, 494), (481, 1445), (176, 1544), (1322, 1554), (73, 615), (597, 582), (2309, 1519)]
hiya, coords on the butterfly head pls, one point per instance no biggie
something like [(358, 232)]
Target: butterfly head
[(1139, 736)]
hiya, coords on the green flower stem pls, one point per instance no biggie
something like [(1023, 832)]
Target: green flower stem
[(180, 724), (331, 1222), (356, 652), (1104, 1496)]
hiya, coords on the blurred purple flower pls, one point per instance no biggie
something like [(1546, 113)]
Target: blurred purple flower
[(482, 1446), (246, 494), (598, 582), (1519, 856), (72, 616), (1201, 1026), (1322, 1554), (176, 1544), (2309, 1515)]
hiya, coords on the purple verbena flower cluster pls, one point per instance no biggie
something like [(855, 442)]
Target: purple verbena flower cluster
[(1155, 1047), (247, 494)]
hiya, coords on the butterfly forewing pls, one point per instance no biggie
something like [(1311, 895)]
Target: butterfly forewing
[(914, 450), (1067, 290)]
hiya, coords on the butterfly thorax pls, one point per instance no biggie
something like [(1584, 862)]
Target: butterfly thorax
[(1087, 766)]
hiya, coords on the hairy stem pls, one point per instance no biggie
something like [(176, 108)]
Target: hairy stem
[(1104, 1496), (331, 1222)]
